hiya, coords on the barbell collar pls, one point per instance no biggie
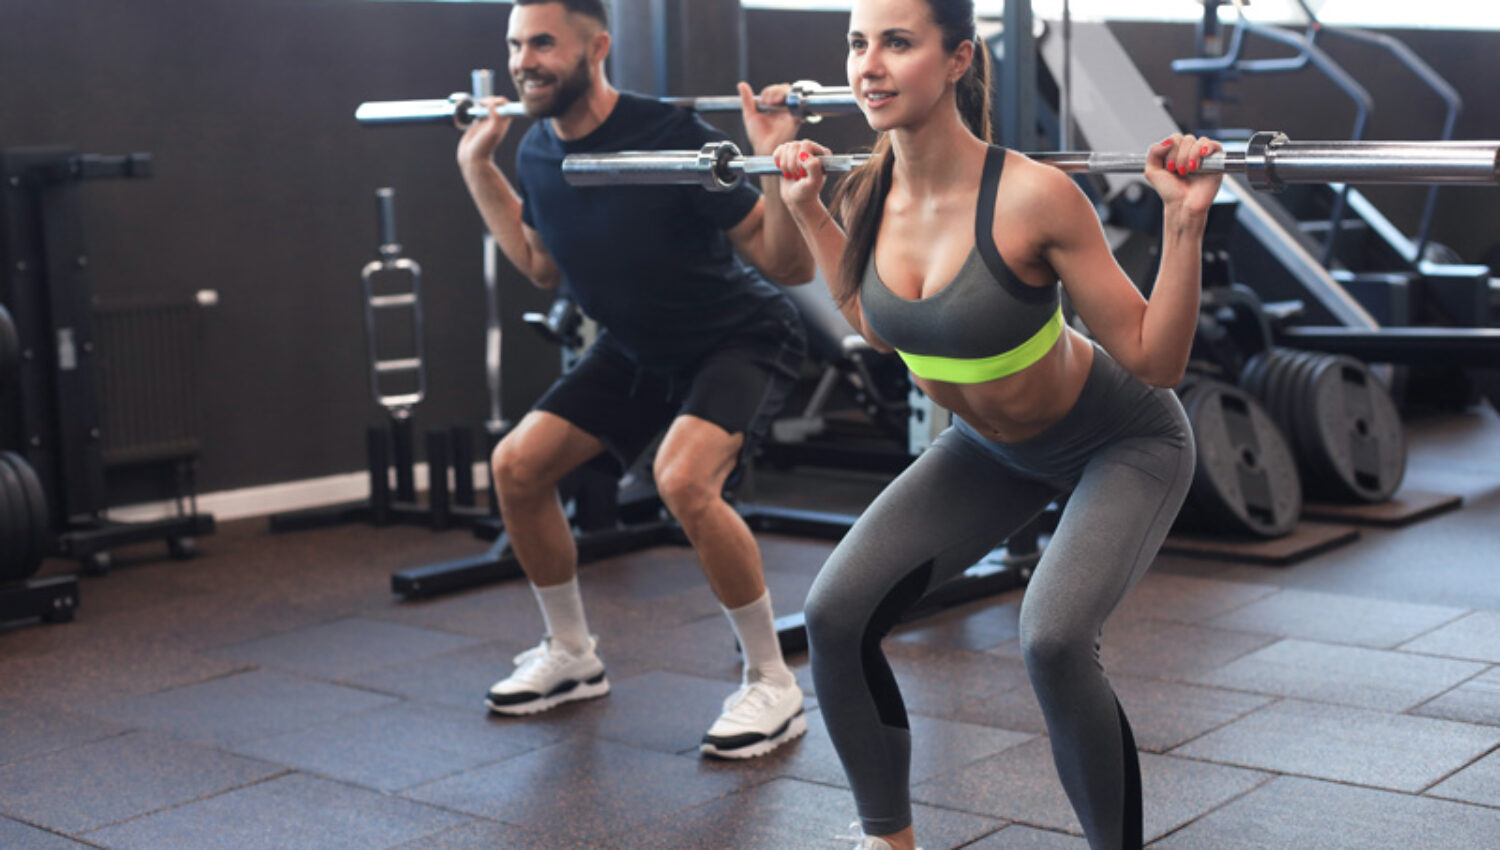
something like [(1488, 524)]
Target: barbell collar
[(1258, 164)]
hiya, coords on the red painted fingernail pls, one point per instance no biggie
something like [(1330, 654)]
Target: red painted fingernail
[(1193, 165), (1204, 152), (804, 155), (1172, 167), (1167, 143)]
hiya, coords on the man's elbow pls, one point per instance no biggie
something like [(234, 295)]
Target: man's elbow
[(794, 273)]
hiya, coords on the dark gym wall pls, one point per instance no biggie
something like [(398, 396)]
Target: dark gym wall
[(263, 184), (263, 191)]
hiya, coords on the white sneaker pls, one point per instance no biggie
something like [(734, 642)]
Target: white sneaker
[(866, 842), (757, 718), (547, 675)]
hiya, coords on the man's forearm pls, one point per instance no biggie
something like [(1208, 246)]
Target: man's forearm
[(500, 207)]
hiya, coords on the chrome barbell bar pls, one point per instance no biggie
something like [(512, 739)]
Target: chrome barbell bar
[(1269, 162), (807, 99)]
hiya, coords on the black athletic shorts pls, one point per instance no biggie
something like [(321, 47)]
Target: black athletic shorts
[(739, 386)]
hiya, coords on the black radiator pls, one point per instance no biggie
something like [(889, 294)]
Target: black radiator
[(149, 364)]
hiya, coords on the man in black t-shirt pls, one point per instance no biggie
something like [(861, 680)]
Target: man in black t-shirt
[(693, 342)]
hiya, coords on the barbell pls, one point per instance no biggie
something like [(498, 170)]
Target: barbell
[(1269, 161), (806, 99)]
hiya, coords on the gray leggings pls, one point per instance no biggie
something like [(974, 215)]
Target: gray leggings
[(1125, 452)]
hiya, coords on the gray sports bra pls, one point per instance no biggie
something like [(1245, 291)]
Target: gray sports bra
[(985, 324)]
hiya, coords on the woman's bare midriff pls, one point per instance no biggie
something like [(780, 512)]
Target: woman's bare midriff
[(1021, 406)]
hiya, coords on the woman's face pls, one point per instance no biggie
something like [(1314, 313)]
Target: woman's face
[(897, 66)]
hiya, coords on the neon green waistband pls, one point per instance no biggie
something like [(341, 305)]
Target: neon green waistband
[(977, 370)]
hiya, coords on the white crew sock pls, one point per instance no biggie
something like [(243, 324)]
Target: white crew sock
[(755, 626), (562, 612)]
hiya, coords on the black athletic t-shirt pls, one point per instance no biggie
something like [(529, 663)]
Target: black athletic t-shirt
[(651, 264)]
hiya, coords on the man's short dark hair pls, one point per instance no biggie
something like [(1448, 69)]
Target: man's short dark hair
[(596, 9)]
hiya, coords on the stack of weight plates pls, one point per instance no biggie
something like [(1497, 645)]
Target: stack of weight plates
[(1339, 419)]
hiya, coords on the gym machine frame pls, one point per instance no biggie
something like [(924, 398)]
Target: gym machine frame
[(44, 280)]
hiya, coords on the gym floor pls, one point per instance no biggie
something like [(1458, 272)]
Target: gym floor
[(272, 693)]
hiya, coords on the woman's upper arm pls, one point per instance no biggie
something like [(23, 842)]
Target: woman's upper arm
[(1074, 246)]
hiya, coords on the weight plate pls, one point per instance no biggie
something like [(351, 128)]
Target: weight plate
[(36, 500), (1359, 433), (1278, 378), (1304, 426), (10, 348), (1189, 380), (1293, 402), (1252, 379), (1246, 480), (16, 559)]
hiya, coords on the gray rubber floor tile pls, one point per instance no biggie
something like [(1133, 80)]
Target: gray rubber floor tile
[(1478, 783), (1344, 744), (1348, 675), (1185, 599), (28, 732), (106, 781), (580, 790), (1163, 715), (788, 813), (506, 611), (1015, 709), (344, 647), (1337, 618), (1017, 837), (290, 812), (1289, 812), (489, 835), (704, 647), (977, 626), (660, 710), (15, 835), (1021, 784), (1474, 701), (401, 745), (659, 588), (458, 678), (1475, 637), (936, 681), (242, 707), (120, 668), (1155, 649)]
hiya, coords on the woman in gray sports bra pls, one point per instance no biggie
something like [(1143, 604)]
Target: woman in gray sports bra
[(953, 253)]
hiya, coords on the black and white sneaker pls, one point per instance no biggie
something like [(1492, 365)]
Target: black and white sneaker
[(548, 675), (757, 719)]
